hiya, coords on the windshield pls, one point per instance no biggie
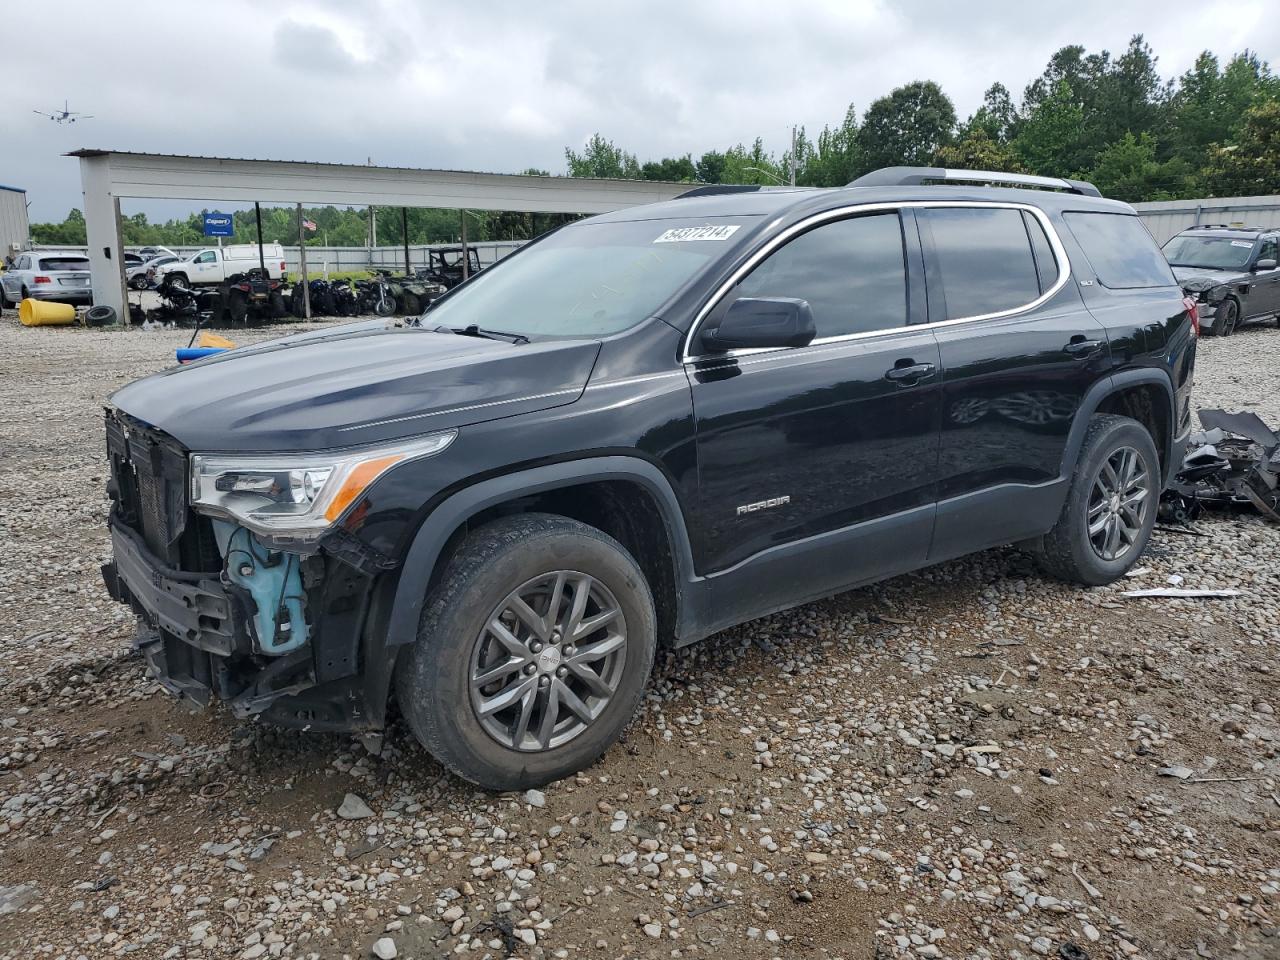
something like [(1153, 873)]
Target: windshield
[(589, 279), (1214, 253)]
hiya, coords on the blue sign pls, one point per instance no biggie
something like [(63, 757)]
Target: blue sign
[(218, 225)]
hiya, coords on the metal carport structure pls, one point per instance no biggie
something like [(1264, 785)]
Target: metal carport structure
[(111, 175)]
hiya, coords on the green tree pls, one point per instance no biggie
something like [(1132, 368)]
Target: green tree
[(1250, 166), (710, 167), (996, 119), (833, 159), (1048, 135), (907, 127), (1209, 103), (669, 168), (978, 151), (601, 158), (755, 165), (1128, 170)]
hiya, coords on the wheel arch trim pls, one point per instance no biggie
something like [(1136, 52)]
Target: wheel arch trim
[(1108, 387), (434, 533)]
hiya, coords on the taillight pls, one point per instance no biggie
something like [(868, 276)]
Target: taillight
[(42, 280), (1193, 314), (282, 266)]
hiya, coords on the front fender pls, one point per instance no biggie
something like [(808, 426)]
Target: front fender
[(424, 551)]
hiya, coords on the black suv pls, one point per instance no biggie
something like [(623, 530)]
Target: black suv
[(643, 428), (1231, 272)]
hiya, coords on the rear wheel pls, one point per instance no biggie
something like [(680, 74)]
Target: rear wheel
[(532, 654), (1110, 508), (237, 306)]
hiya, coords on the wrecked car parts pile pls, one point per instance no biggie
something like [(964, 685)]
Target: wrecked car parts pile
[(1234, 461)]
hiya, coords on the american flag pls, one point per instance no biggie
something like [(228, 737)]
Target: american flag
[(309, 225)]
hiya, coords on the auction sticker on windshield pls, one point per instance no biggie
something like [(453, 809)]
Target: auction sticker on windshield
[(1242, 243), (683, 234)]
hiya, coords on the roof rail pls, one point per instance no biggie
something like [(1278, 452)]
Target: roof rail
[(714, 189), (1228, 226), (913, 176)]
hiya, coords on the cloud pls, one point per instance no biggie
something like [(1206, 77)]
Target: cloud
[(507, 84)]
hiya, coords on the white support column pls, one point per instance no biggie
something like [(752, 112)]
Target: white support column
[(104, 235)]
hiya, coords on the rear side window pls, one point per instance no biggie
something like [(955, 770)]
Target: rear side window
[(852, 273), (64, 263), (1121, 250), (984, 260), (1046, 265)]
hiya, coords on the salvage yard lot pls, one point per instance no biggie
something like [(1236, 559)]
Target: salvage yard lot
[(963, 762)]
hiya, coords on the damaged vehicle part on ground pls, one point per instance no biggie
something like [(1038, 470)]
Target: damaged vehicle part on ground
[(641, 429), (1234, 461)]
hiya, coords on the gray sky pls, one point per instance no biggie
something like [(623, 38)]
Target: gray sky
[(502, 86)]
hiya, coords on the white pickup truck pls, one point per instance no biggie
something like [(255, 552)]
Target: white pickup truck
[(216, 264)]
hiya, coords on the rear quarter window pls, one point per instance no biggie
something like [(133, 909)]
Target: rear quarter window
[(1120, 250)]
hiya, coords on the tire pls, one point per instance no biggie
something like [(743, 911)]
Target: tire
[(1068, 552), (237, 306), (526, 555), (385, 306), (180, 281), (275, 305), (1226, 318)]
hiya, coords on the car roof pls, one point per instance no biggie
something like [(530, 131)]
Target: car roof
[(773, 201), (1225, 230)]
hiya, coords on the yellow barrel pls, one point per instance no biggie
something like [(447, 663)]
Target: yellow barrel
[(38, 313)]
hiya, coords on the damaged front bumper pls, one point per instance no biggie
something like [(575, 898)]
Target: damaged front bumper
[(304, 657)]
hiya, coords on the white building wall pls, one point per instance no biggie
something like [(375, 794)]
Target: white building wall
[(14, 228), (1168, 218)]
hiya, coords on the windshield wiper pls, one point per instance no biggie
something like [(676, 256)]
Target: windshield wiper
[(475, 331)]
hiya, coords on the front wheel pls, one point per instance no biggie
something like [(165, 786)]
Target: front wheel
[(532, 653), (1226, 318), (1111, 505), (384, 306)]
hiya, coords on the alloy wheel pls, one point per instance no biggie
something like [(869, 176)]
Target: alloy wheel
[(1118, 503), (549, 660)]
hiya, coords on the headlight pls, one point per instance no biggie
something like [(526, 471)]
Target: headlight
[(297, 495)]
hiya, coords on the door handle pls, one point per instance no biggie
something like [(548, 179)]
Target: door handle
[(1081, 348), (906, 373)]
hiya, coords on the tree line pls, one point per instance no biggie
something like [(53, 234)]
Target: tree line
[(1113, 120)]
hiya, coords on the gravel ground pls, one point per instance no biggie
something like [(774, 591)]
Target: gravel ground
[(959, 763)]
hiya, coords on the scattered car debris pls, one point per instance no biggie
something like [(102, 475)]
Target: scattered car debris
[(1233, 461)]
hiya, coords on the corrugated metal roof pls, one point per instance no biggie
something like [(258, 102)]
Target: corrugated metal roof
[(95, 152)]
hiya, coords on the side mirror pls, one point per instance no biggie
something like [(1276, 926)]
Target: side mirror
[(1267, 264), (753, 322)]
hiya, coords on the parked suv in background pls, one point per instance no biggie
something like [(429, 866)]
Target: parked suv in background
[(61, 277), (643, 428), (1232, 272)]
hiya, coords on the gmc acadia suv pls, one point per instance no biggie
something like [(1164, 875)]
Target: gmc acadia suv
[(643, 428)]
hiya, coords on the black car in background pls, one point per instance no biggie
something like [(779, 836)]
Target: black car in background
[(640, 429), (1232, 272)]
